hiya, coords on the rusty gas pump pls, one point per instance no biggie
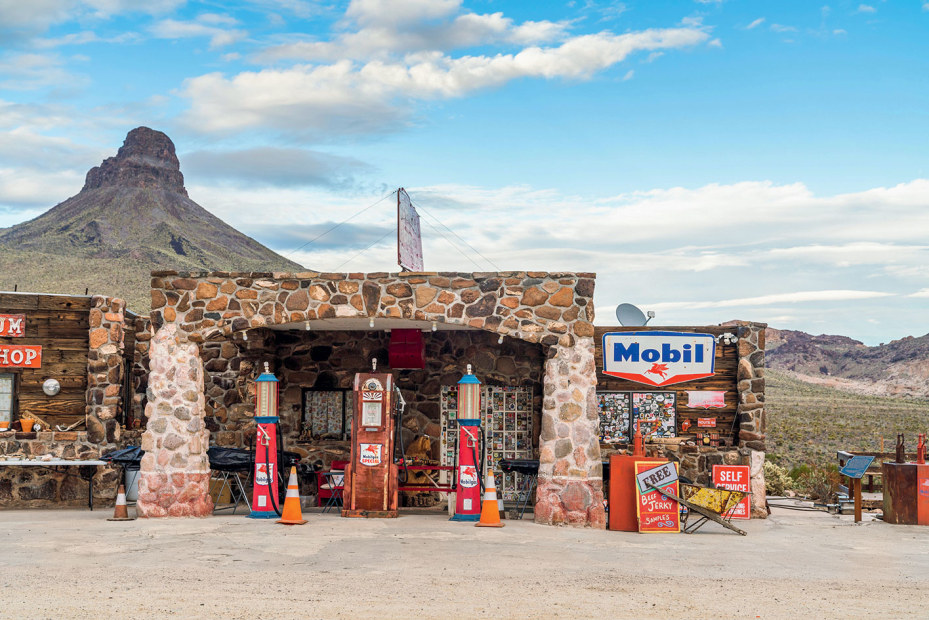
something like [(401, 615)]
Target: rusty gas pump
[(370, 487)]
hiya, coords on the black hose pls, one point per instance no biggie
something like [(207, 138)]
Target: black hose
[(398, 440), (478, 464)]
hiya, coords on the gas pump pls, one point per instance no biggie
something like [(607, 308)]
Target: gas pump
[(264, 491), (370, 487), (468, 491)]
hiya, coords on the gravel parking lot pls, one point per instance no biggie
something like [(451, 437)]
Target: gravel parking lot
[(76, 564)]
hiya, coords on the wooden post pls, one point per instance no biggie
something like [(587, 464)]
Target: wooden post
[(856, 484)]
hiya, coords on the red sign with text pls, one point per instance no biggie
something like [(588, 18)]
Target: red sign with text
[(657, 512), (735, 478), (20, 356), (12, 325), (706, 422)]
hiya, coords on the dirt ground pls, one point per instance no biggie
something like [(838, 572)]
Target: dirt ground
[(76, 564)]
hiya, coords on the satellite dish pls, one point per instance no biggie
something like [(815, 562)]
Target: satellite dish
[(630, 316)]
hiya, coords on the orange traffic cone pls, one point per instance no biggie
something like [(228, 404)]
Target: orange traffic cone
[(121, 513), (490, 510), (291, 513)]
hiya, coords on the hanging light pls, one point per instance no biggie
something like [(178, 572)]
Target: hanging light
[(435, 326), (371, 323), (244, 335), (500, 339), (306, 326)]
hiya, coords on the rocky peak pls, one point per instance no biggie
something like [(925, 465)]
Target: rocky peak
[(146, 159)]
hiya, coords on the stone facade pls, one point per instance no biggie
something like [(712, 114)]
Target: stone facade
[(105, 368), (175, 470), (554, 310)]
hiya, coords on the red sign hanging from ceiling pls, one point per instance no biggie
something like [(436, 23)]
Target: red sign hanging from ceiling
[(12, 325), (20, 356), (409, 237)]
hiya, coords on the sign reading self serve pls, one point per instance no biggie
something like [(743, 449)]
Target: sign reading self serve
[(659, 358)]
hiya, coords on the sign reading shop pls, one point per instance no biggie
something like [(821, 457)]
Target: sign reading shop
[(659, 358)]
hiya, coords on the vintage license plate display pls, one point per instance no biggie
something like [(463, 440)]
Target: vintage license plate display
[(506, 421), (657, 512)]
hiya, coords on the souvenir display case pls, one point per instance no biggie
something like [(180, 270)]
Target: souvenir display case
[(506, 421), (618, 411)]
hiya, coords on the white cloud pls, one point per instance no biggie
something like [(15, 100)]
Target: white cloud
[(715, 43), (839, 32), (215, 27), (755, 23), (22, 19), (921, 293), (866, 8), (629, 75), (782, 28), (346, 97), (30, 71), (779, 298)]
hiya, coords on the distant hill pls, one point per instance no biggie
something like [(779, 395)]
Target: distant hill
[(132, 216), (897, 368), (809, 423)]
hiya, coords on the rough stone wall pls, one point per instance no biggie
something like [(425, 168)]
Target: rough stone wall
[(175, 469), (140, 369), (33, 487), (753, 424), (105, 368), (552, 309)]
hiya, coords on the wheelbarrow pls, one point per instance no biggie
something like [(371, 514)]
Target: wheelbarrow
[(710, 503)]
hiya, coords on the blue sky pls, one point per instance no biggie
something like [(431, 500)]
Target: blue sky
[(709, 160)]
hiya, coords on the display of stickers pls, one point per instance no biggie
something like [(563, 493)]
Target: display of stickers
[(615, 413), (655, 413), (618, 411), (506, 419)]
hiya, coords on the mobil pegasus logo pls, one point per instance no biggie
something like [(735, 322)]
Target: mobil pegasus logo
[(659, 358)]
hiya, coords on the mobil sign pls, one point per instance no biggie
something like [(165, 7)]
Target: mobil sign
[(659, 358)]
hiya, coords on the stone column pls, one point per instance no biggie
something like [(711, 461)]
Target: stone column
[(570, 487), (105, 368), (751, 412), (175, 474)]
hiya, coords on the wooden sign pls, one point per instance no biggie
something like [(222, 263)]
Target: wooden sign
[(735, 478), (657, 512), (659, 476), (12, 325), (20, 356)]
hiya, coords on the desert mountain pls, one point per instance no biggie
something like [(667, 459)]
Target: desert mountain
[(898, 368), (132, 216)]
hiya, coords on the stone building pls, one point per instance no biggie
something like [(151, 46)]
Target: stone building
[(527, 330)]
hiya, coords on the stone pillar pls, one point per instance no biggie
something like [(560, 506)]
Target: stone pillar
[(751, 412), (570, 488), (105, 368), (175, 474)]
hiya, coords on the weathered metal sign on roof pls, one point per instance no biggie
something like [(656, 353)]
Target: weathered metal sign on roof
[(409, 237)]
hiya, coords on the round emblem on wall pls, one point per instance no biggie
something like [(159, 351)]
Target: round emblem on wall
[(51, 387)]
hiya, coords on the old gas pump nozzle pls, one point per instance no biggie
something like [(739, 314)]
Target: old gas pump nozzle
[(398, 434)]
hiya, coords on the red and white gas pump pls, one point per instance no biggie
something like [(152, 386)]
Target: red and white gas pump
[(468, 491), (370, 487), (264, 492)]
